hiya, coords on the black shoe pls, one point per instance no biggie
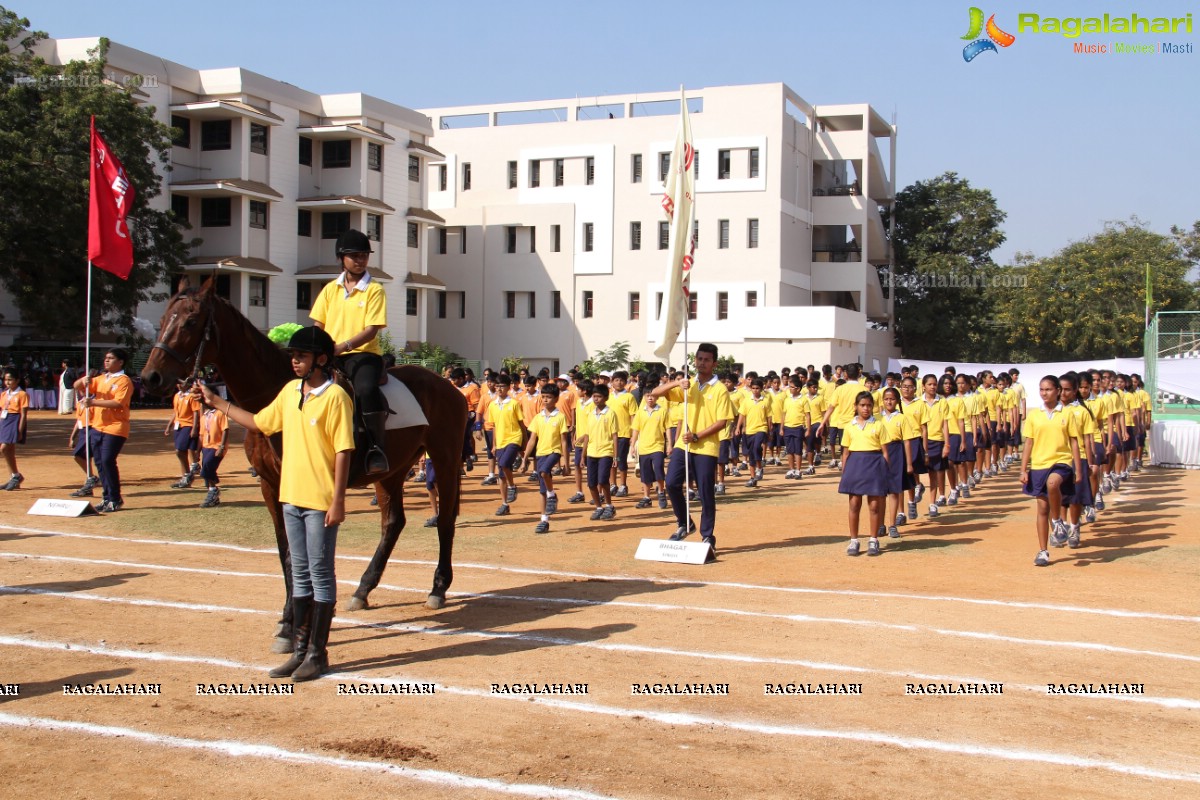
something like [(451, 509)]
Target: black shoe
[(376, 462), (301, 612), (681, 533), (711, 541), (316, 660)]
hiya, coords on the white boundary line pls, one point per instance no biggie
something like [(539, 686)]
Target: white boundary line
[(853, 593), (240, 749), (665, 607), (352, 624), (691, 720)]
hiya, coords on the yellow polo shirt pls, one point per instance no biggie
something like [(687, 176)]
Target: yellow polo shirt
[(795, 411), (1051, 432), (626, 407), (870, 437), (707, 405), (651, 425), (345, 314), (843, 403), (757, 413), (505, 417), (549, 429), (602, 427)]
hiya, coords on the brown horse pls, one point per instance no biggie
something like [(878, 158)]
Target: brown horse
[(199, 329)]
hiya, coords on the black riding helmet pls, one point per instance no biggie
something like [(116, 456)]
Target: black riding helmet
[(312, 340), (353, 241)]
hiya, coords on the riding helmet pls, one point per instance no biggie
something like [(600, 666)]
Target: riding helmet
[(353, 241), (311, 340)]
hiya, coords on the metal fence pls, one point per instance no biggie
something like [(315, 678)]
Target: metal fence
[(1172, 335)]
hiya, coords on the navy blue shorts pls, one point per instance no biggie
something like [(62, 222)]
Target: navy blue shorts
[(579, 457), (652, 467), (793, 439), (598, 470), (545, 465), (488, 439), (725, 452), (185, 441), (1039, 477), (622, 454), (1130, 443), (93, 436), (430, 478), (507, 456), (835, 437), (810, 441)]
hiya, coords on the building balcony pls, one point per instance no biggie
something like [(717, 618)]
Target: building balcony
[(226, 109)]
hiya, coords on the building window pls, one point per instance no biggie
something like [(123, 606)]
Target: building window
[(588, 231), (533, 239), (375, 161), (635, 236), (696, 163), (410, 302), (560, 172), (466, 176), (587, 303), (664, 166), (184, 137), (334, 224), (335, 154), (216, 212), (535, 173), (722, 305), (556, 304), (512, 174), (462, 240), (664, 234), (442, 171), (510, 305), (532, 305), (258, 292), (260, 137), (696, 233), (635, 305), (181, 207), (443, 237), (752, 234), (462, 305), (692, 305), (414, 235), (303, 222), (723, 234), (753, 162), (375, 227), (635, 168), (556, 238), (216, 134), (441, 305), (751, 299), (723, 160), (510, 235), (303, 295), (258, 214), (658, 298), (306, 151), (589, 170)]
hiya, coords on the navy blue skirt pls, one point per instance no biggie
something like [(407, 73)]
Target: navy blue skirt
[(10, 429), (917, 448), (898, 479), (967, 442), (864, 473), (1038, 478), (1082, 491), (935, 459)]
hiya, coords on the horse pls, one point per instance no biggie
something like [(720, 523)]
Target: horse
[(201, 329)]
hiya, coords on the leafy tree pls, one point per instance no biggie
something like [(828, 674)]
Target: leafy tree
[(945, 232), (513, 364), (615, 356), (440, 356), (44, 160), (1088, 300)]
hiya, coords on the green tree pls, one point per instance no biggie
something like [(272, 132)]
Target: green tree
[(44, 160), (945, 232), (513, 364), (615, 356), (1088, 300)]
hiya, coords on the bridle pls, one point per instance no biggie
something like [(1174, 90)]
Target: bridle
[(210, 332)]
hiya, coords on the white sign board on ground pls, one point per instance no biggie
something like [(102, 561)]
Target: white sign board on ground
[(49, 507), (675, 552)]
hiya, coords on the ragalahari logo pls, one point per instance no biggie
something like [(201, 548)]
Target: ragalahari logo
[(995, 36)]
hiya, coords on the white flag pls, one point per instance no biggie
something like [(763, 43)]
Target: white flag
[(679, 205)]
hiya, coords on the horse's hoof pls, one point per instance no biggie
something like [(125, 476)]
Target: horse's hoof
[(434, 602), (355, 604), (282, 645)]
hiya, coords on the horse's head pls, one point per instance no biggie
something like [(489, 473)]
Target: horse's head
[(186, 340)]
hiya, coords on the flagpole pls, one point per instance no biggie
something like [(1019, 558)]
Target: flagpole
[(87, 372), (687, 446)]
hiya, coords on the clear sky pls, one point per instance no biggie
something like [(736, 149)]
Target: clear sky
[(1064, 141)]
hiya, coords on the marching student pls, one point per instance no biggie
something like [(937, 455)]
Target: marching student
[(14, 410), (315, 416), (622, 401), (487, 393), (1098, 449), (814, 413), (1144, 419), (508, 432), (841, 410), (431, 490), (649, 446), (864, 471), (1081, 497), (778, 397), (185, 422), (1133, 422), (753, 424), (548, 441), (794, 419), (916, 444), (109, 396), (1049, 461), (956, 445), (600, 443), (214, 438), (583, 412), (936, 442), (901, 431)]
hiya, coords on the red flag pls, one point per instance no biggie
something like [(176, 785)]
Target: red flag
[(109, 245)]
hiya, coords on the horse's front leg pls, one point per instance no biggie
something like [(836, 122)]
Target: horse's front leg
[(390, 494)]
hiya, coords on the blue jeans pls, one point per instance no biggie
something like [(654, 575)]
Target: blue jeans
[(703, 470), (108, 447), (311, 545)]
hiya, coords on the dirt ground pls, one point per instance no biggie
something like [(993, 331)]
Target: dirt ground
[(166, 593)]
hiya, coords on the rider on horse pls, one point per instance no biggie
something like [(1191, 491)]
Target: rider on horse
[(353, 310)]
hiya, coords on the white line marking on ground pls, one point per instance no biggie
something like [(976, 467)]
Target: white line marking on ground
[(353, 624), (687, 719), (240, 749), (1053, 607)]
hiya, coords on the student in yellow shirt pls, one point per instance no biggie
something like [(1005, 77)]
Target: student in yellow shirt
[(865, 472), (622, 401), (508, 432), (185, 422), (549, 441), (1097, 452), (1050, 460), (841, 411), (815, 412), (315, 416), (583, 410), (916, 443), (753, 425), (901, 432), (1144, 419), (649, 445), (1081, 498), (794, 421), (353, 310), (775, 441), (600, 442), (214, 436), (937, 404)]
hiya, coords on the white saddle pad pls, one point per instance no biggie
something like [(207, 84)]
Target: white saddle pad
[(406, 411)]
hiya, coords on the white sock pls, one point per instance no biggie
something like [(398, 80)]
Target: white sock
[(545, 518), (551, 494)]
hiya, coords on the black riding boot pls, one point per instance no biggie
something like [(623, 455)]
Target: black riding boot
[(301, 608), (376, 425), (316, 661)]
